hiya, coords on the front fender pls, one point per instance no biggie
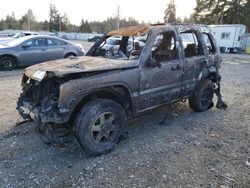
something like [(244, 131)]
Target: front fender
[(73, 92)]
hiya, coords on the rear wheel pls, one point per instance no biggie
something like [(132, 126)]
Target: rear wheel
[(99, 125), (7, 63), (70, 55), (203, 98)]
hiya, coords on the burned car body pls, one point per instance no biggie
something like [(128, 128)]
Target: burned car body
[(99, 92)]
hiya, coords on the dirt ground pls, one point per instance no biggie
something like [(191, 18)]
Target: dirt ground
[(209, 149)]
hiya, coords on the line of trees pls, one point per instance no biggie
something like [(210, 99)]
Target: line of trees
[(60, 22), (213, 12), (222, 12), (206, 12)]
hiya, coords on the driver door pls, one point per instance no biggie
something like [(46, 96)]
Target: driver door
[(161, 84), (33, 51)]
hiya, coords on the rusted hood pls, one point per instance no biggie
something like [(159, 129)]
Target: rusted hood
[(76, 65)]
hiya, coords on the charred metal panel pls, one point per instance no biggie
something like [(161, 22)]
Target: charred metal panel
[(76, 89), (64, 67)]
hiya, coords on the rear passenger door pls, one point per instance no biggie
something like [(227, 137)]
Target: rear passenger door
[(56, 49), (194, 58)]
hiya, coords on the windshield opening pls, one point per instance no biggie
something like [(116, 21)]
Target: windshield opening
[(120, 47)]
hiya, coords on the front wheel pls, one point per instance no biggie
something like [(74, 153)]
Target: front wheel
[(99, 125), (7, 63), (203, 98)]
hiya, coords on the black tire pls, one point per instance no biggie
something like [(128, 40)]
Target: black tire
[(99, 125), (202, 100), (7, 63), (70, 55)]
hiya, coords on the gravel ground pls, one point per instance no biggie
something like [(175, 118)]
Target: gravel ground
[(209, 149)]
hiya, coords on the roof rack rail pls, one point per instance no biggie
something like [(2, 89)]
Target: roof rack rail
[(188, 24), (158, 24)]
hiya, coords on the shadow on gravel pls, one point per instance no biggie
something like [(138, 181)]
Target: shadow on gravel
[(149, 147), (26, 135)]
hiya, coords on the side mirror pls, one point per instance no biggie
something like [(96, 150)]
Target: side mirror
[(25, 46)]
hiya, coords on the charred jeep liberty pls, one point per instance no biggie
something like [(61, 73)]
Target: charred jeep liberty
[(147, 67)]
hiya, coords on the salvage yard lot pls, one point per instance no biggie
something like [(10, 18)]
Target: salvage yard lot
[(209, 149)]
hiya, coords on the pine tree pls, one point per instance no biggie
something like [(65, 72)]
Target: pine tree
[(65, 23), (222, 11), (85, 27), (170, 13), (53, 18), (28, 21)]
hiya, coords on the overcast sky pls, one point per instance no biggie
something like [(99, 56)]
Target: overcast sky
[(150, 10)]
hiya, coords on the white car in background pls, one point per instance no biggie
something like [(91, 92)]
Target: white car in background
[(6, 40)]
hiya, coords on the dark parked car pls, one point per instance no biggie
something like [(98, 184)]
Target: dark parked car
[(98, 93), (30, 50), (94, 38)]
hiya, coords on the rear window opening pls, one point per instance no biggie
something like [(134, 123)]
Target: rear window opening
[(192, 46)]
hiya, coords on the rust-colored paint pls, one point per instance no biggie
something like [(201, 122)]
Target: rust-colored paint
[(130, 31), (78, 65)]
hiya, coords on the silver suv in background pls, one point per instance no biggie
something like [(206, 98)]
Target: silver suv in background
[(31, 50)]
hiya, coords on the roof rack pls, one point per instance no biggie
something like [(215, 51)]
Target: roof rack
[(187, 24), (180, 24), (158, 24)]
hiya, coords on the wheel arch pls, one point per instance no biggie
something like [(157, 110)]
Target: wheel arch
[(117, 93), (69, 53), (12, 56)]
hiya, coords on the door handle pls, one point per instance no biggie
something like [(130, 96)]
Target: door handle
[(176, 67), (43, 50)]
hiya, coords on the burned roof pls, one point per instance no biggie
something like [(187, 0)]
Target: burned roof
[(130, 31), (144, 29)]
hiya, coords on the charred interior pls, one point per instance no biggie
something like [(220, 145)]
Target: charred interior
[(120, 47)]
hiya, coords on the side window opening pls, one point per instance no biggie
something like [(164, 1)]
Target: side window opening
[(209, 43), (192, 46), (40, 42), (55, 42), (164, 47), (36, 42)]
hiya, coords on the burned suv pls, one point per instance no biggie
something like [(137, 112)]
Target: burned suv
[(97, 93)]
